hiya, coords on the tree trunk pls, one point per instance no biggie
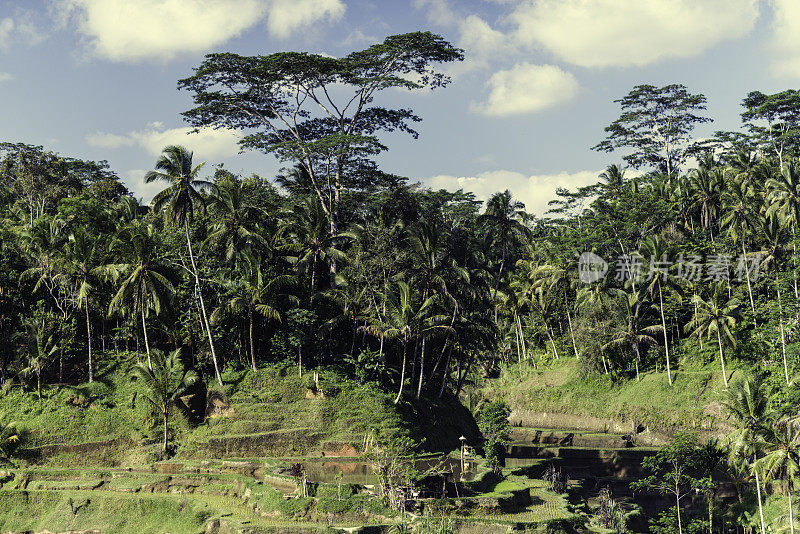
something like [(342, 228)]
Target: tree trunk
[(402, 372), (722, 358), (664, 326), (89, 339), (166, 416), (146, 342), (252, 341), (552, 341), (760, 508), (421, 368), (572, 334), (499, 274), (636, 359), (678, 508), (462, 376), (794, 269), (202, 304), (749, 286), (791, 513), (780, 322), (444, 375)]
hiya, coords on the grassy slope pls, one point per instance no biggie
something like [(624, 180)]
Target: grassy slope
[(275, 413), (39, 510), (570, 401)]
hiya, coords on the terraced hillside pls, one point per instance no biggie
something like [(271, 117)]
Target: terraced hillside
[(249, 496), (271, 413)]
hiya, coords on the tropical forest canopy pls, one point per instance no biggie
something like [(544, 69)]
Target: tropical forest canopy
[(339, 262)]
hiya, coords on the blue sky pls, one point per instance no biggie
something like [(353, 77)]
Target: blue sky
[(96, 79)]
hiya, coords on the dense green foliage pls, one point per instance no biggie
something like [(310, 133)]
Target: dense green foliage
[(687, 261), (493, 422)]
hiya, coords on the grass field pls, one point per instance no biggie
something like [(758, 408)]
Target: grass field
[(560, 391)]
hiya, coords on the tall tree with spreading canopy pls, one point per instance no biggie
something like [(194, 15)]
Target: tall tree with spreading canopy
[(317, 111), (655, 127), (774, 121)]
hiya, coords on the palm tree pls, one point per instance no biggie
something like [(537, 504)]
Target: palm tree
[(634, 333), (311, 243), (739, 202), (84, 266), (511, 305), (708, 185), (717, 315), (178, 202), (747, 403), (774, 254), (784, 199), (10, 436), (594, 299), (436, 271), (253, 293), (555, 276), (404, 321), (542, 303), (235, 218), (682, 200), (144, 287), (165, 382), (349, 300), (782, 460), (658, 250), (615, 186), (40, 347), (504, 219), (44, 245)]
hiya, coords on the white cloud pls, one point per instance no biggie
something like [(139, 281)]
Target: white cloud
[(287, 16), (786, 37), (356, 38), (134, 180), (19, 29), (6, 76), (526, 88), (122, 30), (439, 11), (206, 144), (606, 33), (483, 45), (535, 191), (108, 140), (6, 27)]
